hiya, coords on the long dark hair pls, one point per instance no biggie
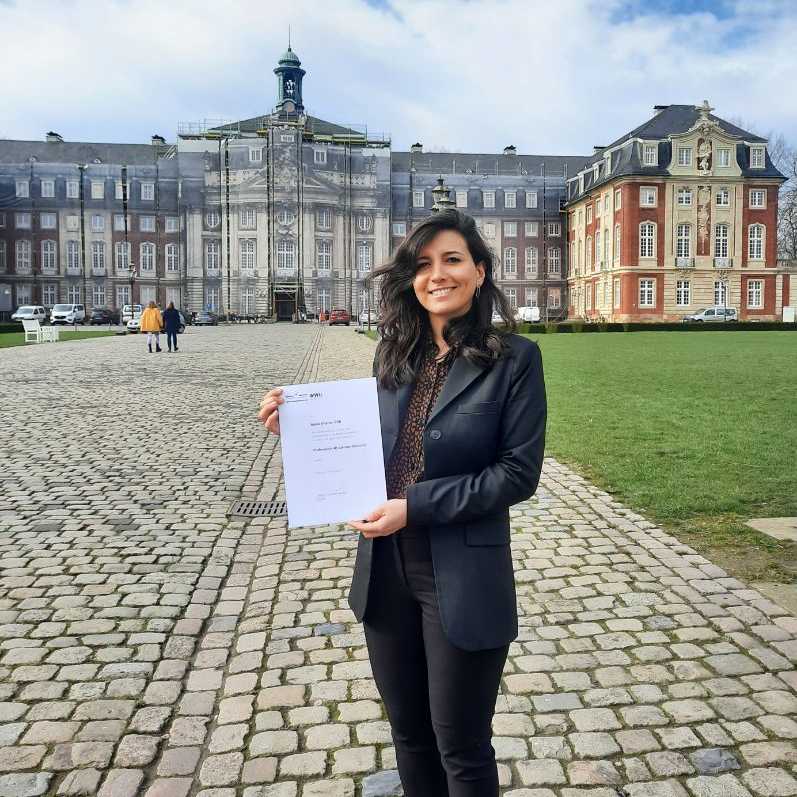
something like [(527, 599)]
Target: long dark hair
[(404, 327)]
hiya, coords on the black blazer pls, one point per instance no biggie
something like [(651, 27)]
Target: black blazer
[(483, 450)]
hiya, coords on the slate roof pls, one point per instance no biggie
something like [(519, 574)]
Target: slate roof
[(671, 120), (12, 151), (487, 163), (312, 123)]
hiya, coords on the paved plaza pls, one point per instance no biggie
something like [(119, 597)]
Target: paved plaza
[(152, 645)]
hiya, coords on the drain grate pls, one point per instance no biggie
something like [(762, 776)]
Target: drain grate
[(259, 509)]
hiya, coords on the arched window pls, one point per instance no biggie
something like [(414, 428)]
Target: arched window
[(364, 256), (721, 240), (510, 260), (171, 257), (647, 239), (755, 242), (616, 253), (683, 241), (48, 255), (147, 257), (247, 249), (286, 252)]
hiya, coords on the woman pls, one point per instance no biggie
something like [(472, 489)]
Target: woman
[(462, 408), (151, 323), (171, 322)]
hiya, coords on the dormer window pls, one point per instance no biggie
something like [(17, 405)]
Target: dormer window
[(684, 156), (757, 157), (596, 172), (723, 156), (650, 155)]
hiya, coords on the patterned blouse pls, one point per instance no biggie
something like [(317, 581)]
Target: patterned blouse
[(406, 463)]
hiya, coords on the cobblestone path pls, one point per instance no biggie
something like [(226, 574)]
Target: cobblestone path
[(150, 645)]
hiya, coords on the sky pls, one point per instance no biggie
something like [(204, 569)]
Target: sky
[(549, 76)]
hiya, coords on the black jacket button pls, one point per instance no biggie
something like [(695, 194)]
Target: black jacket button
[(435, 434)]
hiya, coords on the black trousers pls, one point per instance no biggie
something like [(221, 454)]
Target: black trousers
[(171, 337), (440, 700)]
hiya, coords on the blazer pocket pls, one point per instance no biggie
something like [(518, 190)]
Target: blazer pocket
[(487, 533), (479, 408)]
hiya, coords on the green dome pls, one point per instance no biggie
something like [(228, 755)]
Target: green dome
[(290, 57)]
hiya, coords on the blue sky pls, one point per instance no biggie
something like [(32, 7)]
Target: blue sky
[(464, 75)]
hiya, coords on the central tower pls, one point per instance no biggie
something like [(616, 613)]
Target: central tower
[(289, 74)]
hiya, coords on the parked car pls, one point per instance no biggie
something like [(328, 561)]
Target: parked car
[(339, 317), (206, 319), (137, 309), (30, 312), (369, 315), (134, 324), (68, 314), (714, 313), (103, 315), (530, 314)]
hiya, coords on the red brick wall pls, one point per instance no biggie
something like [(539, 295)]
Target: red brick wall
[(769, 296), (767, 216), (633, 215)]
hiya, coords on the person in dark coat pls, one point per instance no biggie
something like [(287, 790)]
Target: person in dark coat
[(463, 412), (171, 322)]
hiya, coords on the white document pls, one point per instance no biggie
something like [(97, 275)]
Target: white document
[(331, 451)]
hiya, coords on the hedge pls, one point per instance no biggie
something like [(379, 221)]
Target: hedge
[(656, 326), (10, 326)]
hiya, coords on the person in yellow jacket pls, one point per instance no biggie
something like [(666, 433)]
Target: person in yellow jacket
[(152, 323)]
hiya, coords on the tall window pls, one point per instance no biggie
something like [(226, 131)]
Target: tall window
[(588, 249), (647, 239), (755, 294), (554, 298), (247, 254), (212, 297), (532, 260), (147, 192), (682, 293), (723, 198), (3, 257), (684, 156), (418, 199), (554, 260), (616, 252), (97, 189), (323, 254), (324, 299), (755, 242), (597, 248), (248, 301), (73, 293), (364, 256), (23, 257), (212, 218), (98, 294), (531, 199), (606, 247), (72, 255), (23, 189), (511, 294), (49, 295), (48, 255), (721, 240), (324, 218), (616, 294), (248, 219), (720, 292), (757, 157), (647, 296), (97, 223), (122, 295), (462, 199), (510, 199), (48, 189), (147, 256), (723, 156), (286, 252), (488, 199), (171, 257), (617, 200), (122, 256), (364, 223), (531, 297), (510, 260), (98, 255), (72, 189), (212, 255), (683, 241), (684, 197)]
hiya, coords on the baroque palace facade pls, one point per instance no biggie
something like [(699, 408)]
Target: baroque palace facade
[(284, 212), (679, 214)]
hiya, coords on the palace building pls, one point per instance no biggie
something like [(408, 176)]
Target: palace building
[(282, 213), (677, 215)]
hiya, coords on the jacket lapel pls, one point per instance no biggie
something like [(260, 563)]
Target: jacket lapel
[(462, 373)]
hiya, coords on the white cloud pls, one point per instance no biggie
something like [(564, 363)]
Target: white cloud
[(470, 76)]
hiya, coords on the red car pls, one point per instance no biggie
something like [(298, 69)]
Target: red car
[(339, 317)]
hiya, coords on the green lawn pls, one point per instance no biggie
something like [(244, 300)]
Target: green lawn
[(697, 431), (18, 338)]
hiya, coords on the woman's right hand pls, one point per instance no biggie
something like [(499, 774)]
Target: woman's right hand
[(269, 410)]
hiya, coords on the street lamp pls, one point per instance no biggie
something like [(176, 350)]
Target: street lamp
[(132, 279)]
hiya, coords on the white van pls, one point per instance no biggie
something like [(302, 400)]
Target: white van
[(30, 312), (127, 315), (68, 314), (715, 313)]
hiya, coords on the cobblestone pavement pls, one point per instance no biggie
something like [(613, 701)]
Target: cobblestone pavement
[(150, 645)]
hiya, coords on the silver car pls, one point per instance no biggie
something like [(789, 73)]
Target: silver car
[(714, 313)]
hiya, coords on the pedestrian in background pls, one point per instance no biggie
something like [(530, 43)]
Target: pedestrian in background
[(152, 323), (171, 322)]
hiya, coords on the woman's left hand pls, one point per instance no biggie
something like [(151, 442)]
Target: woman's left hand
[(386, 519)]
